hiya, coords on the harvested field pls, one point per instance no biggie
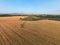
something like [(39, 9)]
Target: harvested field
[(42, 32)]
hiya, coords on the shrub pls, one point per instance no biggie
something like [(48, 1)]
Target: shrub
[(22, 25)]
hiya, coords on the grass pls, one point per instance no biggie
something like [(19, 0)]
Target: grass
[(30, 18)]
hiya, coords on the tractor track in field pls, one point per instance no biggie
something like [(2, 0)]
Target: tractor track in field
[(18, 35), (21, 34), (4, 37)]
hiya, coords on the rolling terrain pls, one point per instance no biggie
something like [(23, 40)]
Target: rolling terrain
[(41, 32)]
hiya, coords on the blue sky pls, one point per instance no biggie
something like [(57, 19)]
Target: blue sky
[(30, 6)]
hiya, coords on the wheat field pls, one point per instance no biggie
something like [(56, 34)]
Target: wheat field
[(42, 32)]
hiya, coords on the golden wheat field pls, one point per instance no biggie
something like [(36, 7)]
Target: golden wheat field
[(42, 32)]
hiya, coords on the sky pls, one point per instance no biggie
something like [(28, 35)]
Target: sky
[(30, 6)]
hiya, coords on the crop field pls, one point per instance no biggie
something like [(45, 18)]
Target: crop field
[(14, 31)]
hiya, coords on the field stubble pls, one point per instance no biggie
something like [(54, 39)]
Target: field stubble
[(42, 32)]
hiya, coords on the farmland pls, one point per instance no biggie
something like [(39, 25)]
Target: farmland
[(41, 32)]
